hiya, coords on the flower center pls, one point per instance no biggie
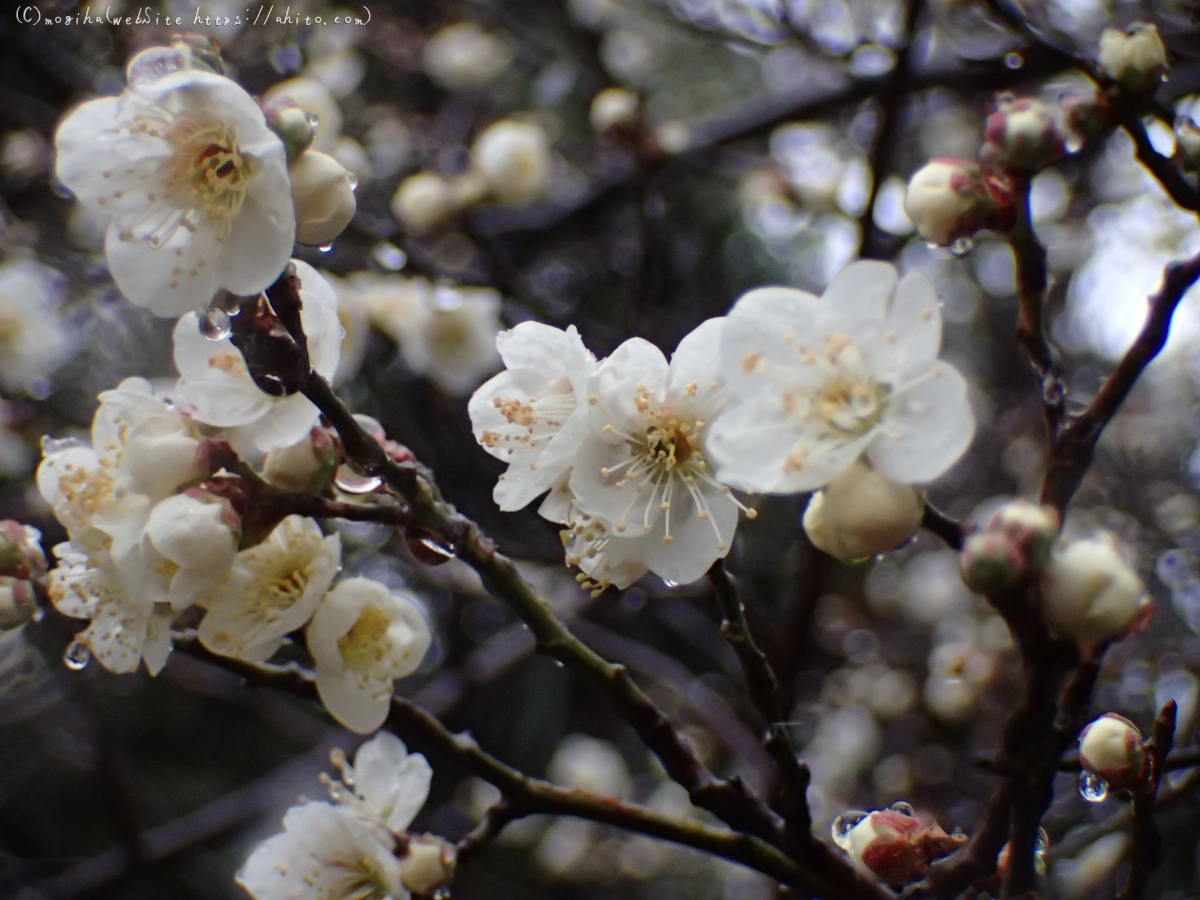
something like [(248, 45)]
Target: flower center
[(285, 589), (447, 333), (208, 172), (364, 645), (364, 881)]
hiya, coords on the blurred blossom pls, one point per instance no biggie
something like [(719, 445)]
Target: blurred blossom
[(445, 332), (464, 56), (590, 764), (814, 161), (831, 23), (23, 155), (340, 72), (33, 341), (889, 208), (1079, 877), (972, 30), (958, 673), (1136, 686), (1132, 242), (515, 160), (628, 55), (845, 743), (892, 777), (871, 60), (353, 157), (933, 589), (225, 18), (389, 145), (352, 313), (593, 13), (1049, 196), (755, 20), (995, 268)]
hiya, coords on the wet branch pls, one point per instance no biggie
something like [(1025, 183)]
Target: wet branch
[(1146, 846)]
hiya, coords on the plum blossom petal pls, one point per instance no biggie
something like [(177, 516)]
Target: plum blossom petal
[(392, 783)]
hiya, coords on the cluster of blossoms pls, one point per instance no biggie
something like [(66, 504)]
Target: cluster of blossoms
[(949, 200), (841, 394), (358, 845), (1090, 594)]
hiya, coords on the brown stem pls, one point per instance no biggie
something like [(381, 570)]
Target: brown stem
[(1072, 448), (764, 691), (1146, 851), (950, 530)]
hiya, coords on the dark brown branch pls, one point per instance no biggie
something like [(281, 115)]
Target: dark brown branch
[(764, 691), (1145, 853), (976, 860), (1072, 450), (952, 531), (1182, 191), (527, 796)]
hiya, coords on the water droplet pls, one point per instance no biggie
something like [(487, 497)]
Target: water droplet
[(313, 119), (325, 248), (962, 247), (351, 482), (389, 256), (1042, 842), (39, 614), (1074, 143), (353, 179), (76, 656), (1014, 60), (669, 583), (442, 893), (1092, 787), (215, 324), (844, 824), (903, 807), (152, 64), (435, 547)]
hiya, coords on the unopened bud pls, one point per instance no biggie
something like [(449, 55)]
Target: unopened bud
[(1112, 748), (18, 602), (1022, 135), (951, 199), (21, 553), (861, 513), (895, 846), (614, 108), (514, 157), (1087, 116), (423, 202), (990, 562), (323, 195), (1031, 528), (1134, 58), (306, 466), (295, 127), (429, 864), (1091, 595)]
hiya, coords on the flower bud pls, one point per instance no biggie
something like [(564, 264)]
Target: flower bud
[(614, 108), (1023, 134), (294, 126), (861, 513), (464, 56), (514, 158), (197, 533), (1112, 748), (161, 454), (951, 199), (21, 553), (314, 98), (18, 602), (990, 562), (423, 202), (323, 195), (1088, 115), (307, 465), (428, 865), (894, 845), (1187, 139), (1031, 528), (1091, 595), (1134, 58)]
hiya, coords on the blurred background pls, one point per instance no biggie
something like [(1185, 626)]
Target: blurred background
[(751, 142)]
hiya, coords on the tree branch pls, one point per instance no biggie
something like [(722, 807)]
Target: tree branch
[(764, 691), (950, 530), (1146, 846)]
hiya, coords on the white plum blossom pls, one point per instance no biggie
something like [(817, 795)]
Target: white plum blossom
[(215, 386), (606, 559), (529, 415), (1135, 58), (815, 383), (127, 625), (323, 196), (191, 538), (324, 852), (32, 340), (445, 332), (142, 451), (270, 590), (194, 180), (362, 637), (643, 469), (347, 848), (464, 56), (514, 158)]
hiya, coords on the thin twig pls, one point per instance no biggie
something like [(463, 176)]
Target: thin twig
[(1145, 852), (950, 530), (1073, 447), (764, 691)]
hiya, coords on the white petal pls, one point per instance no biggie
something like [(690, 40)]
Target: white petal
[(287, 421), (319, 316), (335, 615), (857, 297), (521, 484), (168, 280), (695, 545), (214, 385), (260, 242), (695, 360), (359, 706), (616, 381), (925, 429), (915, 326), (600, 496)]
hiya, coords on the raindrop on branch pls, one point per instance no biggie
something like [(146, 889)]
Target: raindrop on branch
[(215, 324), (1092, 787), (844, 824), (325, 248), (903, 807), (76, 656), (962, 247), (1014, 60), (346, 479)]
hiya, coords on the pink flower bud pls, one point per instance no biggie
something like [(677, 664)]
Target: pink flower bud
[(18, 602), (894, 845), (1022, 135), (951, 199), (1112, 748), (1032, 529), (990, 562), (21, 551)]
